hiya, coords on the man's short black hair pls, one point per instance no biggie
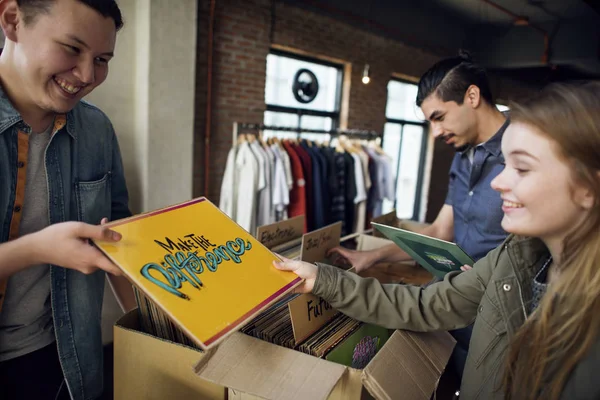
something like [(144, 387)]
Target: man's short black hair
[(108, 8), (449, 79)]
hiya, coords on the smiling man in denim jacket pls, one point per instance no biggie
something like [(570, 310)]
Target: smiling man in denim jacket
[(59, 162)]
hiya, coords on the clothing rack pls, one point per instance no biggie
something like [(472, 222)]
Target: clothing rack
[(321, 181), (240, 128)]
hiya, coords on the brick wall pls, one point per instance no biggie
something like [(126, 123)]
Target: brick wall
[(242, 39), (240, 48)]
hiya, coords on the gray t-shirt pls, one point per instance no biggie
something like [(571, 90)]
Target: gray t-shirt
[(26, 317)]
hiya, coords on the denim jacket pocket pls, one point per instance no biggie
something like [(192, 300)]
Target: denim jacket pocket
[(94, 199)]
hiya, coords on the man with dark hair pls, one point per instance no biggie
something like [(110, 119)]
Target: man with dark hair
[(107, 8), (61, 176), (449, 79), (456, 99)]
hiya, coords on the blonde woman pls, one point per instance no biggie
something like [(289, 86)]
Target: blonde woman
[(535, 300)]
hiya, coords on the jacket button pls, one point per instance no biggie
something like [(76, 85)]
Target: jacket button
[(20, 164), (506, 287), (480, 309), (17, 208)]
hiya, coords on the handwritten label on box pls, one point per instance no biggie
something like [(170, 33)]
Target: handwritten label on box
[(308, 312), (316, 244), (280, 232)]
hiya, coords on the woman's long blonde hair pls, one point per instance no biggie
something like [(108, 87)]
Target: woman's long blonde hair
[(547, 348)]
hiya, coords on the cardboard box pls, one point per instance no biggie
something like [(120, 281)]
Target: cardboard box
[(149, 368), (244, 368), (407, 367), (368, 242)]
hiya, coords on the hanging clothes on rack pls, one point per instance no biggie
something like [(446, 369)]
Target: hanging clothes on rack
[(297, 196), (350, 193), (361, 192), (306, 165), (281, 191), (239, 192), (382, 178), (337, 182), (320, 191), (264, 213), (342, 180)]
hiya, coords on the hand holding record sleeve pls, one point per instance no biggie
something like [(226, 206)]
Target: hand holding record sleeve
[(304, 270), (435, 255)]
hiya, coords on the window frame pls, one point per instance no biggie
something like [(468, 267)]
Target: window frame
[(422, 156), (299, 111)]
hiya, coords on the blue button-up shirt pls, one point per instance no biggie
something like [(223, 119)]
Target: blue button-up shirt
[(85, 183), (477, 207)]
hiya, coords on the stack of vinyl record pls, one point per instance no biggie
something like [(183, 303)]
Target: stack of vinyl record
[(329, 336), (275, 326), (156, 323), (289, 249)]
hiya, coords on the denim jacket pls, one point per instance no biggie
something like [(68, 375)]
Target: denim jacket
[(85, 183)]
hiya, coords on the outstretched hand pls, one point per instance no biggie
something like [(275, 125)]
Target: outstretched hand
[(67, 245), (360, 260), (303, 269)]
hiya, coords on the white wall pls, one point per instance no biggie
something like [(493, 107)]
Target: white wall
[(172, 89), (149, 97), (117, 98)]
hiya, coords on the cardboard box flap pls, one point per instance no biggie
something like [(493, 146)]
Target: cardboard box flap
[(409, 365), (130, 321), (366, 242), (262, 369)]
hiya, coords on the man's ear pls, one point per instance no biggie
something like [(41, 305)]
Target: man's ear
[(473, 96), (9, 18)]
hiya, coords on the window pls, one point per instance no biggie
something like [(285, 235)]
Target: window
[(405, 140), (284, 108)]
